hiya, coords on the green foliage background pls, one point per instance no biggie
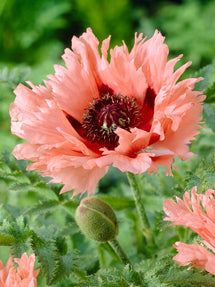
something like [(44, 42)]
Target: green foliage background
[(33, 35)]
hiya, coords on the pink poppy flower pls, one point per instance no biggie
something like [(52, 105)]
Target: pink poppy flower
[(25, 275), (197, 213), (130, 112)]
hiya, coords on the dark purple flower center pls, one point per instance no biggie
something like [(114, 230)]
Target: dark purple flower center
[(110, 111), (107, 113)]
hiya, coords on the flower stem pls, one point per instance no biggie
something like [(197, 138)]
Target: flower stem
[(119, 251), (125, 260), (140, 208)]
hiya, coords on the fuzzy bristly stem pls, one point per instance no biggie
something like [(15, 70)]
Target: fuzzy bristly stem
[(119, 251), (125, 260), (140, 208)]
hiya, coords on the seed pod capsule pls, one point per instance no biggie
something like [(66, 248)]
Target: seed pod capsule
[(96, 219)]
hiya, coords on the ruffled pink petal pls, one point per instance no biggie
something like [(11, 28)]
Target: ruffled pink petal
[(123, 76), (86, 47), (189, 212), (79, 179), (196, 255), (73, 88), (44, 116), (25, 275), (151, 56), (26, 265)]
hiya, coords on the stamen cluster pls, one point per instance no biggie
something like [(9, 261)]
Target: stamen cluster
[(107, 113)]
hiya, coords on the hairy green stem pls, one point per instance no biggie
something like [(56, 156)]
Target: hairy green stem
[(119, 251), (125, 260), (140, 208)]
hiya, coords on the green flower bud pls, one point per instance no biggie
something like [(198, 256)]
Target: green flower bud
[(96, 219)]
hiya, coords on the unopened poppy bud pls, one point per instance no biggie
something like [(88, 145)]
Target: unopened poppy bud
[(96, 219)]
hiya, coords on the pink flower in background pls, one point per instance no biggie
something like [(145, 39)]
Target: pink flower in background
[(197, 213), (25, 275), (130, 112)]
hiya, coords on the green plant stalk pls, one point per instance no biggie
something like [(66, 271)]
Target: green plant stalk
[(119, 251), (147, 231), (123, 257)]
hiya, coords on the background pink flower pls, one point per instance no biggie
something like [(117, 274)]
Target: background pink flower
[(131, 112), (25, 275), (197, 213)]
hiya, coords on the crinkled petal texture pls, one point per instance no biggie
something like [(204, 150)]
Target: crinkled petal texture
[(25, 275), (50, 117), (197, 213), (196, 255)]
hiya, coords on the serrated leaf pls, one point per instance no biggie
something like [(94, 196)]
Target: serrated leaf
[(40, 188), (17, 249), (65, 267), (9, 160), (14, 174), (17, 231), (46, 252), (193, 277), (192, 180), (115, 277), (44, 190), (41, 207), (46, 233), (12, 78), (166, 272), (50, 250), (19, 176), (209, 115), (210, 93), (69, 206), (206, 73), (68, 262)]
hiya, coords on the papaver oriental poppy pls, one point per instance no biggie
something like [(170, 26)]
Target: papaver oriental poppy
[(131, 112), (197, 213)]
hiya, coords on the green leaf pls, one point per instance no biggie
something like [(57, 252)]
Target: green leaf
[(15, 177), (115, 277), (12, 78), (46, 252), (6, 240), (166, 272), (41, 207), (209, 115), (16, 231), (210, 93), (206, 73), (193, 180), (14, 174), (51, 252), (118, 203), (45, 190), (193, 277), (69, 206), (65, 267), (5, 213)]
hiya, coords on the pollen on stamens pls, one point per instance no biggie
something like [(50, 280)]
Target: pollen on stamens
[(107, 113)]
